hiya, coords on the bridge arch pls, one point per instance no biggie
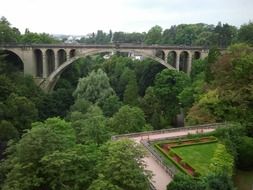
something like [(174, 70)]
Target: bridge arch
[(13, 59), (72, 53), (38, 57), (196, 55), (50, 82), (160, 53), (50, 60), (172, 58), (62, 56), (184, 61)]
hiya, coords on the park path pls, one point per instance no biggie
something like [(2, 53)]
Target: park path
[(161, 178)]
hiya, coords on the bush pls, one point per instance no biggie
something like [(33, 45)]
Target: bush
[(230, 135), (222, 161), (219, 181), (184, 182), (7, 131), (245, 153), (171, 153)]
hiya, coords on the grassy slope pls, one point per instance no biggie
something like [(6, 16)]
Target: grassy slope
[(198, 156), (244, 180)]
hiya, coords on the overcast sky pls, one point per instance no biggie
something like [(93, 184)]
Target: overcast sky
[(86, 16)]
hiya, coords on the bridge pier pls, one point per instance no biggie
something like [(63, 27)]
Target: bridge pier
[(56, 65), (189, 64), (45, 66), (177, 60)]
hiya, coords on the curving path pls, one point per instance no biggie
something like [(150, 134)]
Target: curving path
[(161, 179)]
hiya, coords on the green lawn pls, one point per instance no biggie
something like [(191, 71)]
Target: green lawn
[(244, 180), (197, 156)]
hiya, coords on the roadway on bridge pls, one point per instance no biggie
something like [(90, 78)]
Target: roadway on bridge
[(161, 179)]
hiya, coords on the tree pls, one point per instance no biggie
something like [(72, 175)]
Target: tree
[(150, 105), (245, 33), (111, 105), (7, 132), (245, 154), (56, 104), (213, 56), (91, 127), (146, 71), (124, 169), (123, 80), (185, 182), (70, 169), (168, 85), (224, 35), (21, 112), (101, 184), (154, 35), (22, 168), (169, 35), (35, 38), (235, 90), (6, 87), (94, 88), (128, 120), (131, 91), (220, 181), (206, 110), (7, 33)]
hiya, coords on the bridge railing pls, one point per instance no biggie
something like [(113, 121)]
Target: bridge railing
[(108, 45), (162, 131)]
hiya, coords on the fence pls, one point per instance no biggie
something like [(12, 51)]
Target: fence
[(132, 135), (158, 159)]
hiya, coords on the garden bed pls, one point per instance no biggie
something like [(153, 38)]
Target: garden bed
[(191, 156)]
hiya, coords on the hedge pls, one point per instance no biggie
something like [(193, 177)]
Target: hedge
[(158, 146)]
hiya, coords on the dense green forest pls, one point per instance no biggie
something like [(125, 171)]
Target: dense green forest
[(62, 140)]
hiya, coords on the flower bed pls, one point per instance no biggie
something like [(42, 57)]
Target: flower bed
[(166, 148)]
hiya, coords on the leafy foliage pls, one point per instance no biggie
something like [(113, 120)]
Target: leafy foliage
[(245, 154), (245, 33), (22, 169), (185, 182), (128, 119), (222, 161), (94, 88), (122, 164), (168, 85), (90, 127)]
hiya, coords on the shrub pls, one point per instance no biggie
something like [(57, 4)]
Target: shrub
[(222, 161), (245, 153), (171, 153), (182, 162), (184, 182)]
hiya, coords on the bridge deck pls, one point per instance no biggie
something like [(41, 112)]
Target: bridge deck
[(110, 46)]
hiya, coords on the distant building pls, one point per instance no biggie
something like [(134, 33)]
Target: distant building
[(71, 40), (135, 56)]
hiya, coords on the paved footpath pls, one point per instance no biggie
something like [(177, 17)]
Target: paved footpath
[(161, 179)]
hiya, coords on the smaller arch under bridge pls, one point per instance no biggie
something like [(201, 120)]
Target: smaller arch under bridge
[(46, 62)]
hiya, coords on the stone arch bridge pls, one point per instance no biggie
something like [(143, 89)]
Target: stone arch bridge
[(46, 62)]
